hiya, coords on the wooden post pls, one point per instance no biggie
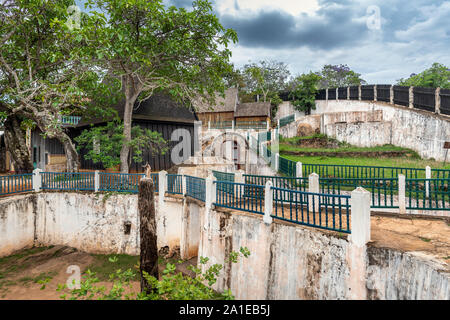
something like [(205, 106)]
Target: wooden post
[(148, 243)]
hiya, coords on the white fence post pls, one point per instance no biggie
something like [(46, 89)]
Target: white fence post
[(162, 187), (268, 203), (239, 176), (348, 93), (277, 162), (427, 183), (326, 94), (183, 179), (313, 187), (402, 193), (232, 125), (268, 125), (96, 181), (391, 95), (209, 125), (299, 170), (411, 97), (210, 188), (437, 101), (37, 180), (360, 217), (375, 96), (359, 92), (278, 123), (337, 94)]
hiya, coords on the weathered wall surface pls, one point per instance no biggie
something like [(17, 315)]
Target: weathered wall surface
[(16, 223), (394, 275), (421, 131)]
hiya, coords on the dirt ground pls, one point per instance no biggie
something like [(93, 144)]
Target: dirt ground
[(23, 274)]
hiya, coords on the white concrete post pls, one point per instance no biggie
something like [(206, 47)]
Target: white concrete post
[(277, 162), (360, 217), (210, 187), (37, 180), (268, 125), (299, 170), (326, 94), (232, 125), (209, 125), (337, 94), (162, 187), (437, 101), (402, 193), (391, 95), (348, 93), (411, 97), (268, 203), (183, 178), (427, 183), (375, 97), (359, 93), (278, 123), (313, 187), (96, 181), (239, 176)]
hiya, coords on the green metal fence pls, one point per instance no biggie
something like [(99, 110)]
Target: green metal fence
[(286, 120), (258, 125), (195, 188), (244, 197), (68, 181), (324, 211), (175, 184), (120, 182), (16, 183), (287, 167), (221, 125), (427, 194)]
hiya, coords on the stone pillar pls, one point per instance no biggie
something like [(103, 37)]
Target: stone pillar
[(96, 181), (360, 217), (326, 94), (232, 125), (427, 183), (268, 203), (162, 184), (375, 93), (239, 176), (402, 194), (337, 94), (438, 100), (183, 186), (411, 97), (391, 95), (359, 93), (313, 187), (37, 180), (348, 93), (299, 170), (209, 125)]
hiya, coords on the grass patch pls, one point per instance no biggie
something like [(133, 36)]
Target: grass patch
[(22, 254), (103, 267), (425, 239)]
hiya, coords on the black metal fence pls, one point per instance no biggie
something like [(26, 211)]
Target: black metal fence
[(354, 93), (401, 95), (384, 92), (445, 101), (342, 93), (367, 93), (321, 94), (424, 98), (331, 94)]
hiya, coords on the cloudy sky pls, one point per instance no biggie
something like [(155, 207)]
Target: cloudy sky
[(382, 40)]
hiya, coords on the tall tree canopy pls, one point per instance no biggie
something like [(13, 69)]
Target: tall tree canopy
[(303, 92), (147, 47), (334, 76), (436, 76)]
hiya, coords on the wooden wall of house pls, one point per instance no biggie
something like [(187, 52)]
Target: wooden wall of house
[(157, 162), (262, 118), (215, 117)]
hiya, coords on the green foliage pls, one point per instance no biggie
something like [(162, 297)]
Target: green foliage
[(103, 143), (436, 76), (171, 285), (304, 92), (334, 76)]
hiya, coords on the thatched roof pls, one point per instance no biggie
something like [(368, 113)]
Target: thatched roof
[(253, 109), (227, 104)]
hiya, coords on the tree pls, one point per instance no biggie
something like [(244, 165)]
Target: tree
[(335, 76), (147, 47), (266, 78), (103, 143), (39, 77), (436, 76), (304, 89)]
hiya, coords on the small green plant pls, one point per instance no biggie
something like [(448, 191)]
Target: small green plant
[(171, 286), (425, 239)]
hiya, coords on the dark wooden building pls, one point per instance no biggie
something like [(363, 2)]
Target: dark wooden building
[(159, 113)]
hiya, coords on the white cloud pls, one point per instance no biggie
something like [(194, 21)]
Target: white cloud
[(248, 7)]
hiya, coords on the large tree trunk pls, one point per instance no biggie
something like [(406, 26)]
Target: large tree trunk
[(73, 163), (148, 243), (132, 89), (15, 140)]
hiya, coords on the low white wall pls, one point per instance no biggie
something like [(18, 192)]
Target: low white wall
[(17, 221)]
